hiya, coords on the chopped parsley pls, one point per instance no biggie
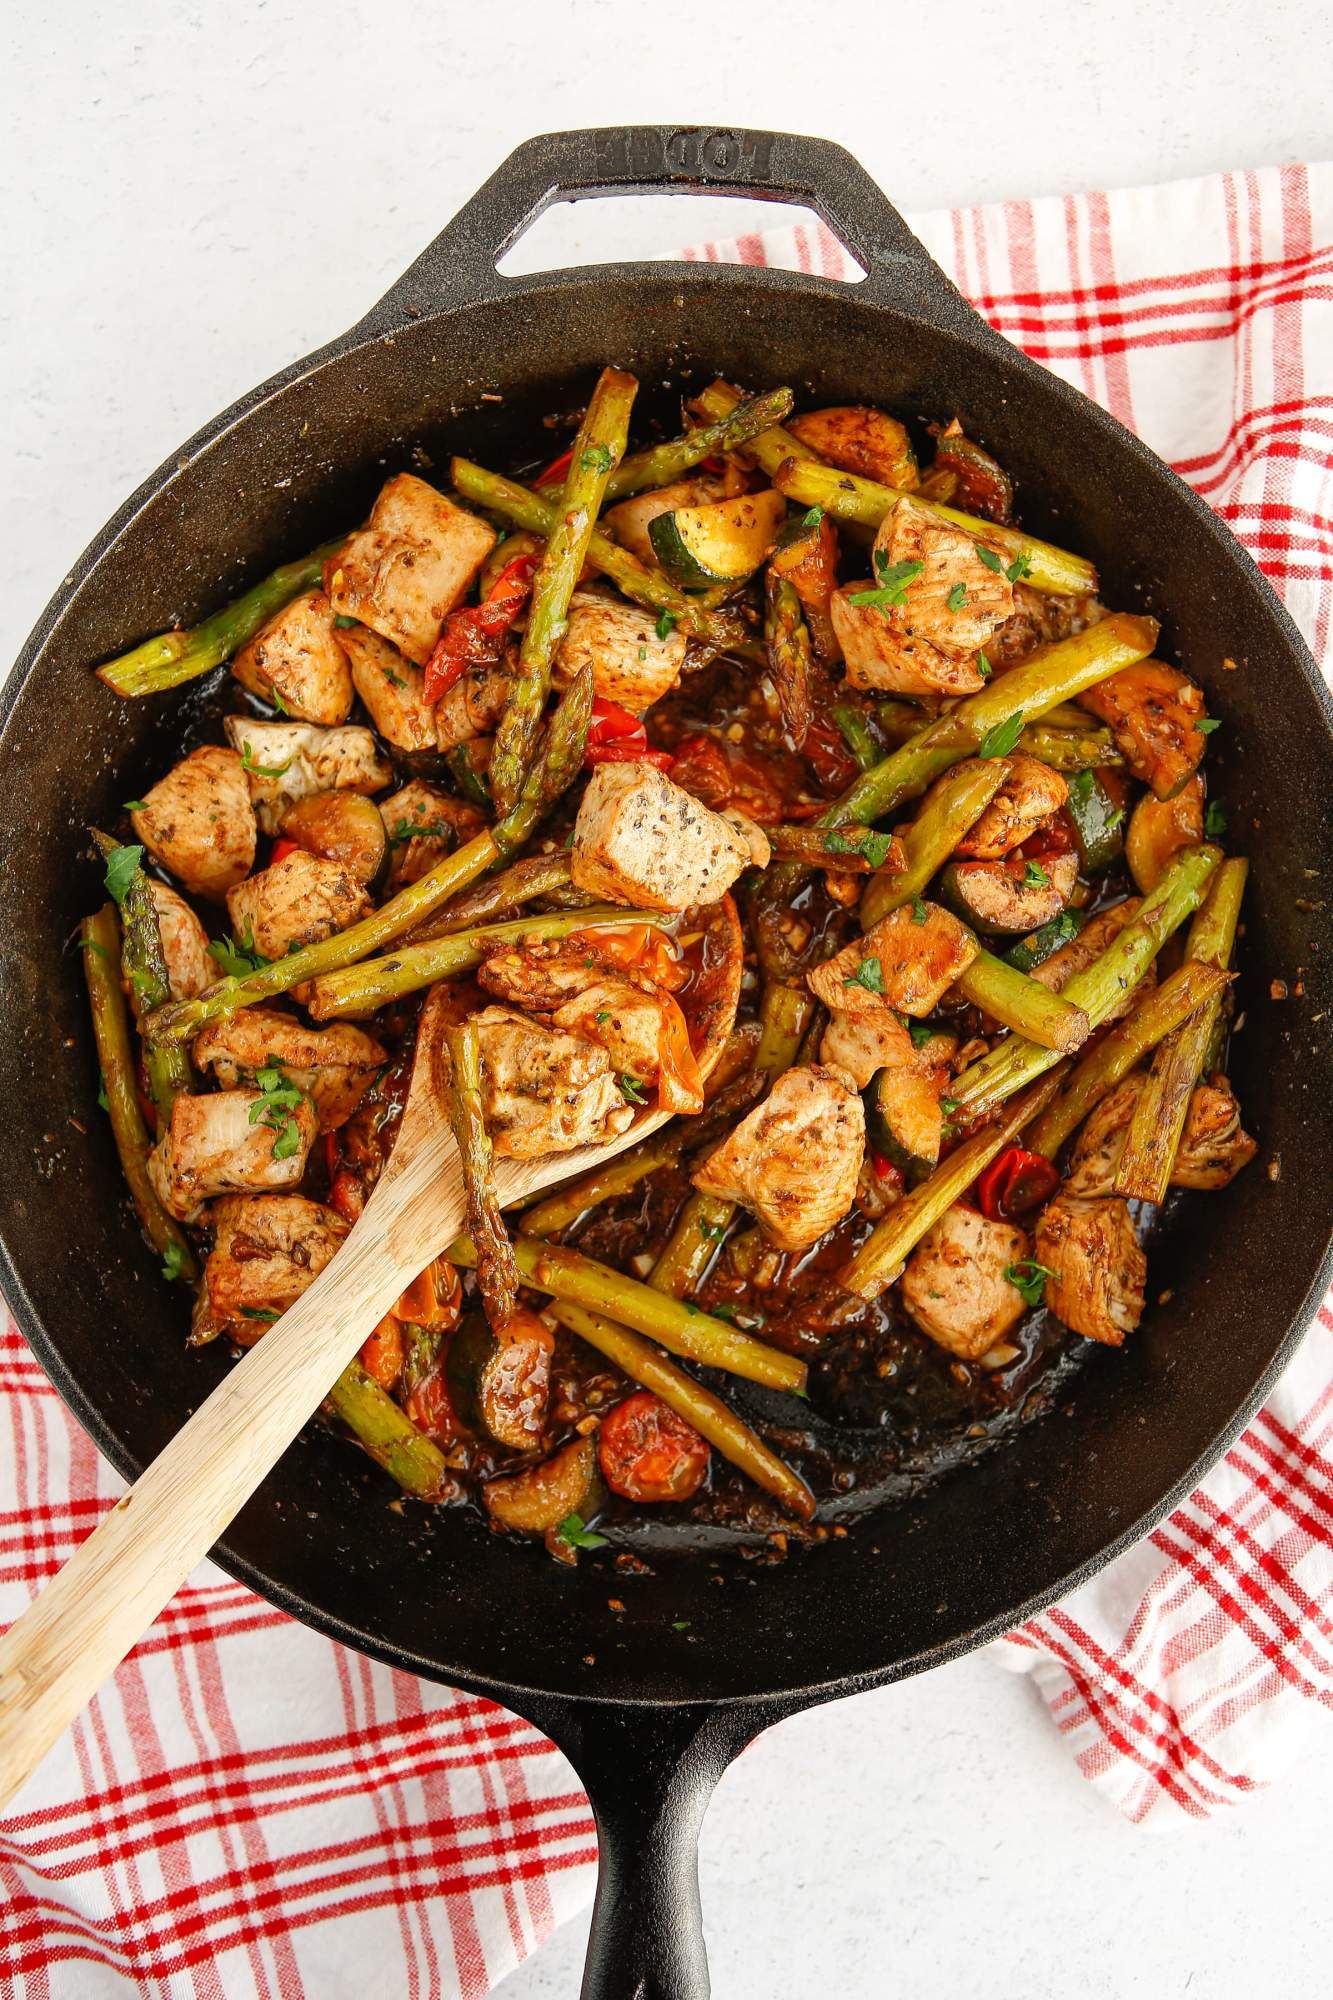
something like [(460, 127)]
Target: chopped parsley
[(921, 1033), (631, 1089), (103, 1100), (1029, 1278), (1080, 788), (173, 1262), (394, 680), (122, 865), (344, 624), (602, 1014), (1215, 820), (893, 581), (411, 829), (276, 1109), (712, 1232), (575, 1536), (813, 518), (666, 624), (873, 847), (989, 557), (957, 597), (998, 742), (261, 770), (1019, 568), (1035, 877), (260, 1312), (643, 652), (983, 666), (596, 458), (237, 959), (136, 805), (870, 974), (919, 911), (1207, 724), (680, 1624), (275, 697), (949, 1104)]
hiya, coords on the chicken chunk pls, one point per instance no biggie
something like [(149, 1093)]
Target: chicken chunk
[(198, 821), (1213, 1146), (794, 1160), (472, 706), (645, 1036), (631, 664), (267, 1250), (214, 1145), (858, 438), (287, 761), (333, 1066), (414, 560), (1030, 793), (643, 841), (190, 964), (297, 901), (1076, 956), (424, 825), (1096, 1270), (864, 1044), (391, 689), (920, 645), (1039, 619), (1154, 713), (295, 662), (629, 520), (907, 960), (543, 1091), (955, 1285)]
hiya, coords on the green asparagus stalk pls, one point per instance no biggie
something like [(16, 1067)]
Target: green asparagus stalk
[(100, 939), (1023, 1004), (578, 1280), (1052, 674), (771, 448), (500, 896), (360, 990), (174, 657), (787, 644), (851, 498), (639, 471), (497, 1273), (145, 966), (469, 780), (1064, 746), (1018, 1061), (707, 1413), (556, 765), (389, 1435), (692, 1245), (598, 448), (1191, 986), (953, 807), (855, 733), (845, 850), (1155, 1129), (880, 1260), (784, 1016)]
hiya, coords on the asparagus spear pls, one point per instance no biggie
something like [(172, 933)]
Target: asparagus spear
[(389, 1435), (497, 1273), (880, 1260), (145, 966), (579, 1280), (1153, 1139), (661, 463), (555, 767), (787, 642), (1017, 1061), (498, 897), (846, 850), (1023, 1004), (1063, 745), (100, 939), (855, 733), (1189, 987), (598, 447), (954, 806), (173, 657), (708, 1414), (772, 447), (359, 990)]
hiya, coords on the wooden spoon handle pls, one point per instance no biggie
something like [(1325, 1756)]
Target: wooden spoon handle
[(56, 1655)]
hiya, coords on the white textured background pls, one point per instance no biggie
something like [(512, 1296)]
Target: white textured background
[(195, 194)]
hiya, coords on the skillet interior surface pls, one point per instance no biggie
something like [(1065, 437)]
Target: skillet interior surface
[(436, 1592)]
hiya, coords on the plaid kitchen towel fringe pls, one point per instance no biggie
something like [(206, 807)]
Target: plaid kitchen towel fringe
[(250, 1810)]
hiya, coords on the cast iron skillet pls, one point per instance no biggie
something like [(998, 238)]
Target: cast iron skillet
[(649, 1714)]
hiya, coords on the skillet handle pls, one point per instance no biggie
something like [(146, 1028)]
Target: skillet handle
[(650, 1773), (458, 268)]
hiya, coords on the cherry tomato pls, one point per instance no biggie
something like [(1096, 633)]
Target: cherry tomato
[(382, 1355), (617, 736), (721, 776), (831, 762), (648, 1453), (1015, 1182), (282, 847)]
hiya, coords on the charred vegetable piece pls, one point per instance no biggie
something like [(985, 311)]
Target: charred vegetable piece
[(723, 542), (659, 465), (788, 646), (499, 1380), (806, 557), (859, 438), (345, 827), (982, 485), (497, 1273), (1098, 815), (1159, 828), (1154, 712), (1009, 896), (951, 806), (145, 965), (389, 1435), (1015, 1182), (905, 1120), (1044, 943), (650, 1455), (537, 1500)]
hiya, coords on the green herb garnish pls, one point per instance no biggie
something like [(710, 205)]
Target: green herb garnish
[(135, 805), (983, 666), (596, 458), (275, 1108), (173, 1262), (873, 847), (343, 624), (893, 581), (813, 518), (631, 1089), (998, 742), (260, 1312), (262, 770), (957, 597), (122, 865), (870, 974), (1207, 724), (1215, 820), (575, 1536), (1029, 1278), (1035, 877), (1018, 569), (919, 911), (666, 624), (989, 557), (237, 959)]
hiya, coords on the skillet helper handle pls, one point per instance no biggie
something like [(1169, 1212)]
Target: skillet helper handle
[(458, 268)]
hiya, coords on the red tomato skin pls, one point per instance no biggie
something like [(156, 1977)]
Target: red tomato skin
[(648, 1454)]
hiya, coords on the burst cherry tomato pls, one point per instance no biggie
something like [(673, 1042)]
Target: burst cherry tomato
[(281, 849), (1015, 1182), (648, 1453), (617, 736)]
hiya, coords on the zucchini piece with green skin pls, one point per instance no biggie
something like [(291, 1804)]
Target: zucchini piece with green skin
[(498, 1386), (1099, 821), (536, 1500), (905, 1121), (994, 896), (1046, 941), (345, 827), (721, 543)]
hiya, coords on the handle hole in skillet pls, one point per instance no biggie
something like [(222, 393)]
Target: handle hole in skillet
[(632, 228)]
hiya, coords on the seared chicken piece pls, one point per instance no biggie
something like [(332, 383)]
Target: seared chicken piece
[(642, 841), (955, 1285), (423, 826), (1031, 792), (1213, 1147), (1097, 1149), (864, 1044), (414, 560), (333, 1066), (198, 821), (643, 1033), (858, 438), (391, 688), (267, 1250), (297, 658), (543, 973), (190, 964), (1154, 713), (212, 1145), (544, 1092), (1039, 620), (629, 520), (630, 664), (1057, 970), (907, 960), (472, 706), (286, 761), (921, 645), (1096, 1269), (297, 901), (794, 1160)]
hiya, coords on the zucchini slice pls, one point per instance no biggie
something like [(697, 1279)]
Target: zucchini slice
[(1044, 943), (344, 827), (721, 543), (538, 1499), (1159, 828), (1001, 896), (500, 1388), (1098, 814), (906, 1121)]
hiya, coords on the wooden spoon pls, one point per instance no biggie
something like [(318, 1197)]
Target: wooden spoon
[(56, 1655)]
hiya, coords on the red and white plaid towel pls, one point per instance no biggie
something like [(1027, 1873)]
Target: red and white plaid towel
[(250, 1810)]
